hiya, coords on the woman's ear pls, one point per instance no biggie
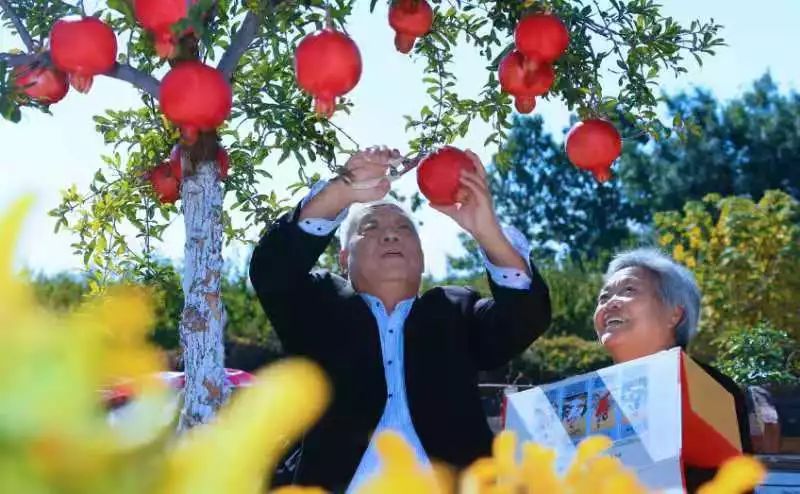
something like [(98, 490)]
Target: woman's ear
[(677, 316)]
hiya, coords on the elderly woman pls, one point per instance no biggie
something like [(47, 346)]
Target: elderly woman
[(650, 303)]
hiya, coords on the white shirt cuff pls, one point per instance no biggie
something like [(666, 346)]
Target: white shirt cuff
[(511, 277), (320, 226)]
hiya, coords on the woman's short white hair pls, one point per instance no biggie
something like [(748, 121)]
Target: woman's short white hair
[(358, 211), (676, 286)]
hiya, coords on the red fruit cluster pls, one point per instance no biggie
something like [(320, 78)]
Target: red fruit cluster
[(410, 19), (158, 17), (82, 48), (167, 177), (43, 84), (327, 64), (439, 175), (196, 98), (593, 145), (527, 71)]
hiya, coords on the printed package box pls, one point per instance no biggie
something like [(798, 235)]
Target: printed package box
[(661, 411)]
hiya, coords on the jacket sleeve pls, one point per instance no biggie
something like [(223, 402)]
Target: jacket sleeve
[(280, 271), (503, 326)]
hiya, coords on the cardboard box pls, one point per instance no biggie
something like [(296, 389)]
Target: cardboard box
[(661, 411)]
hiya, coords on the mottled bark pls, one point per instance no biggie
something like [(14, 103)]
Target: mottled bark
[(204, 317)]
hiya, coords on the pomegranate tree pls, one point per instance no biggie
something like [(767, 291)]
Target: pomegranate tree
[(593, 145), (541, 37), (176, 165), (411, 19), (196, 98), (524, 84), (158, 16), (83, 48), (439, 175), (327, 64), (43, 84)]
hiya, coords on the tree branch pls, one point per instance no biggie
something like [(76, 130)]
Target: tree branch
[(239, 44), (18, 25), (135, 77), (240, 41), (123, 72), (17, 59)]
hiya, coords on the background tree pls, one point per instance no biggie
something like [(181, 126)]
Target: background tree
[(746, 257), (251, 44), (761, 355), (560, 209), (746, 146)]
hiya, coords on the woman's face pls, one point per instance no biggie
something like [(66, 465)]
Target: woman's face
[(630, 320)]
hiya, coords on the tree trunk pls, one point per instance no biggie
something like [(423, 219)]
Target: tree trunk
[(204, 317)]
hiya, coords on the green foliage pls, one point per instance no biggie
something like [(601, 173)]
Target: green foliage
[(742, 147), (746, 257), (761, 355), (573, 294), (553, 358)]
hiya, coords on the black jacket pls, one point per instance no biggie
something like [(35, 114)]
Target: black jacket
[(450, 334)]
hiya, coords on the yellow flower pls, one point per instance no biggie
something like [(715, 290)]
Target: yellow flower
[(250, 436), (401, 473), (740, 474), (678, 252)]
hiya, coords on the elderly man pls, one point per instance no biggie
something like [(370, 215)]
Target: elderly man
[(650, 303), (397, 359)]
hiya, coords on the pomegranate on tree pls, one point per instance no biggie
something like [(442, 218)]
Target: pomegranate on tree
[(43, 84), (593, 145), (195, 97), (541, 37), (411, 19), (439, 175), (224, 162), (166, 184), (83, 48), (327, 65), (158, 16), (524, 84)]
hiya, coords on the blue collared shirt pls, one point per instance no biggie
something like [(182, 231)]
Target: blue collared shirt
[(396, 414)]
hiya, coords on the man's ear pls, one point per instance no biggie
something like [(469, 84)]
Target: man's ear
[(343, 255)]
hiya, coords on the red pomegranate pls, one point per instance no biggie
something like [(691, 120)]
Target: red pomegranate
[(166, 185), (158, 16), (524, 84), (83, 48), (195, 97), (438, 175), (327, 64), (411, 19), (45, 85), (594, 145), (224, 162), (541, 37)]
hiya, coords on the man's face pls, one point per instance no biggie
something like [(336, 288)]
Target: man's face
[(384, 248)]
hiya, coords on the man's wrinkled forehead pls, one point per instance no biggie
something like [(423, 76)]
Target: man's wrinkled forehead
[(383, 212)]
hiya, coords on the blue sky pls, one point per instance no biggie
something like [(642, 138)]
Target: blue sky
[(44, 154)]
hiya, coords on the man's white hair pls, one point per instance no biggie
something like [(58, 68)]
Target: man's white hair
[(359, 210)]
